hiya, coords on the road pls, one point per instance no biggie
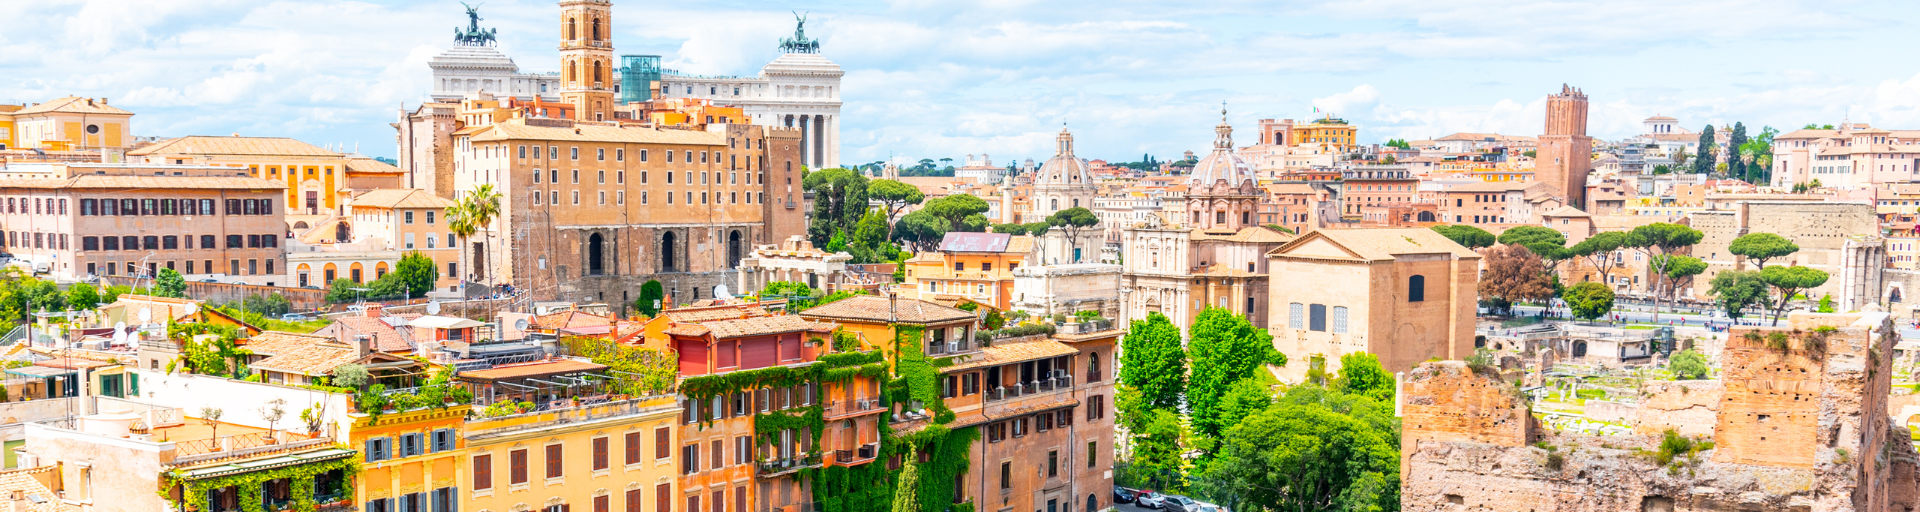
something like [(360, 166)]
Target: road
[(1642, 314)]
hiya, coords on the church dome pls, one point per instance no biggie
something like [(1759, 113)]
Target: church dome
[(465, 57), (1222, 163), (1064, 168)]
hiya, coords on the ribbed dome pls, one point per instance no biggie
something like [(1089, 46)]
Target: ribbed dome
[(1222, 163), (802, 64), (1064, 168), (473, 57)]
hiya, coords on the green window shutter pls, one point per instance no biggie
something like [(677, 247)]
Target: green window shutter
[(133, 384)]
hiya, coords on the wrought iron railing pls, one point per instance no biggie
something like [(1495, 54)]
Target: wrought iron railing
[(1060, 383)]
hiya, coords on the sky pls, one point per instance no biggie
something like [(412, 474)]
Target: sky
[(945, 79)]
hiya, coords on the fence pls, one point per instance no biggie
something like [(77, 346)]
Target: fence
[(303, 299)]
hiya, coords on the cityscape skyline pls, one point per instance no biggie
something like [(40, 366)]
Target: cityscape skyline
[(928, 81)]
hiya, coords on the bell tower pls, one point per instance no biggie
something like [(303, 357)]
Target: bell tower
[(586, 58)]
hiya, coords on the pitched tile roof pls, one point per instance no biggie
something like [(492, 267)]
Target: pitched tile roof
[(237, 146), (690, 315), (401, 198), (1384, 243), (878, 309), (534, 369), (32, 483), (371, 166), (73, 105), (149, 182), (571, 318), (758, 326), (1004, 353), (313, 359), (385, 337), (273, 343)]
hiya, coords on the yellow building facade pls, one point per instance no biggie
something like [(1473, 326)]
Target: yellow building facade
[(315, 177), (615, 455), (1327, 133), (409, 460), (66, 124), (973, 266)]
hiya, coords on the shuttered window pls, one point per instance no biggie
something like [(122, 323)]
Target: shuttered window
[(517, 467), (633, 448), (662, 443), (483, 471), (600, 454), (553, 461)]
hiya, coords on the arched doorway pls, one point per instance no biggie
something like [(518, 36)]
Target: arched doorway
[(1893, 294), (341, 232), (1579, 348), (733, 249), (594, 245), (1427, 217), (667, 247), (1093, 503)]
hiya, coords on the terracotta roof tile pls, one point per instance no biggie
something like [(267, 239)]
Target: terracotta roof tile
[(401, 198), (30, 483), (1384, 243), (754, 326), (385, 337), (313, 359), (248, 146), (73, 105), (1004, 353), (149, 182), (534, 369), (878, 309)]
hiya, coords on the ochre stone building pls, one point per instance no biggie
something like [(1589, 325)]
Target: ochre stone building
[(1404, 295)]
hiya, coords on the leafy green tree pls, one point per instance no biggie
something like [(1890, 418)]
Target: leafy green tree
[(652, 296), (1313, 450), (479, 208), (1073, 221), (1469, 236), (1678, 267), (83, 296), (1705, 162), (839, 200), (1688, 365), (1589, 300), (1548, 244), (1011, 229), (21, 295), (906, 496), (922, 230), (1244, 398), (1826, 304), (113, 292), (387, 287), (1735, 290), (1790, 281), (1038, 228), (1760, 247), (417, 272), (1153, 362), (1157, 458), (1225, 348), (963, 212), (341, 291), (1661, 239), (170, 284), (894, 196), (869, 241), (1361, 374), (1736, 166), (1598, 251)]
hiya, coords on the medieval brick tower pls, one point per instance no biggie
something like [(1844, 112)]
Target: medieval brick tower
[(586, 58), (1566, 152)]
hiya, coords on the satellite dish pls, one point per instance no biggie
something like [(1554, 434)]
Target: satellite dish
[(191, 308), (433, 308), (720, 292), (146, 315), (520, 325)]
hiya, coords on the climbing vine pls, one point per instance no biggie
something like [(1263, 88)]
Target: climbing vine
[(248, 484)]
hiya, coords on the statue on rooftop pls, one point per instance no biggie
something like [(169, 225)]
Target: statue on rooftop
[(799, 42), (473, 35)]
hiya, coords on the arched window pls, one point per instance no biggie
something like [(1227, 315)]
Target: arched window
[(667, 252), (573, 72), (733, 249), (596, 72), (1056, 204), (341, 232), (1093, 367), (1092, 503), (1417, 289), (596, 29), (595, 244), (573, 29)]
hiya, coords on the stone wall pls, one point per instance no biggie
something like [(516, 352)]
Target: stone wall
[(1825, 443)]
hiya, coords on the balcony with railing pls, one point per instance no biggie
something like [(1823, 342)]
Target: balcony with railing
[(864, 454), (843, 409), (1021, 394), (946, 348), (1088, 327), (776, 467)]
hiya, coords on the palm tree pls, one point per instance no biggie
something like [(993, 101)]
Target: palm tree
[(461, 224), (481, 206)]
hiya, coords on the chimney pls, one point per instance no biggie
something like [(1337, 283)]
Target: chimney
[(363, 344), (103, 101), (893, 307), (376, 310)]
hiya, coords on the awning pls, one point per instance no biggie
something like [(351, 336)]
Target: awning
[(40, 372), (321, 455)]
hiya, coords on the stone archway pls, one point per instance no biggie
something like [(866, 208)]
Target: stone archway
[(1579, 348), (596, 247), (669, 246), (1895, 293), (734, 248)]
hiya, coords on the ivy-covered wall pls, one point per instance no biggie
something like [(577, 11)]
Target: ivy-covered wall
[(249, 484)]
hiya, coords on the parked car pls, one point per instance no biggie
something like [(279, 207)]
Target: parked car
[(1175, 503), (1123, 495), (1150, 499), (294, 317)]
